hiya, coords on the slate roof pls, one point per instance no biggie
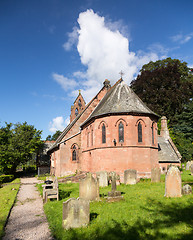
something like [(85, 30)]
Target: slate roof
[(70, 125), (120, 99), (167, 151)]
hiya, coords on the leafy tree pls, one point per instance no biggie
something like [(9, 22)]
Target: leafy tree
[(184, 122), (165, 86), (18, 143), (183, 144), (54, 136)]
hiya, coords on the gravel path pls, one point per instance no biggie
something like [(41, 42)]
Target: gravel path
[(27, 220)]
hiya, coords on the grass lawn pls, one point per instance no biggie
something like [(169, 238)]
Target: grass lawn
[(144, 214), (7, 197)]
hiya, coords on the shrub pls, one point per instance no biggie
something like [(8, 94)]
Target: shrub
[(6, 178)]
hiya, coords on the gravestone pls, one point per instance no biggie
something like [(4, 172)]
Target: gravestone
[(130, 176), (155, 174), (76, 213), (188, 165), (114, 195), (89, 188), (183, 166), (186, 189), (191, 169), (173, 183), (102, 178)]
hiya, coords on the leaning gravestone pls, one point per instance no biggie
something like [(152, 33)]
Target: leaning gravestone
[(173, 183), (155, 174), (186, 189), (191, 169), (89, 188), (102, 178), (76, 213), (130, 176)]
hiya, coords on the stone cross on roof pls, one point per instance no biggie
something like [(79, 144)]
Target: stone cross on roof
[(121, 73)]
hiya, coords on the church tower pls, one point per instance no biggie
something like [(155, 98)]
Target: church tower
[(78, 107)]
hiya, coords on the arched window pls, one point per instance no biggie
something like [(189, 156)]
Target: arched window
[(103, 133), (92, 137), (88, 136), (76, 112), (74, 153), (121, 132), (79, 103), (139, 132), (152, 129)]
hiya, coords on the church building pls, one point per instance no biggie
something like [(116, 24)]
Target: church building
[(115, 131)]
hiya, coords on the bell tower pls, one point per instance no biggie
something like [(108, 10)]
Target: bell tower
[(78, 107)]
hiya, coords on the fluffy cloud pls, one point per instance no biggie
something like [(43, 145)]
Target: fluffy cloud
[(72, 39), (57, 123), (104, 50), (64, 82)]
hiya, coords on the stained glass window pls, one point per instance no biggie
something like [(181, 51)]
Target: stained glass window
[(121, 132), (152, 134), (74, 154), (103, 133), (139, 132)]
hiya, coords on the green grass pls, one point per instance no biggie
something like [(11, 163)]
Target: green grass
[(8, 194), (144, 214)]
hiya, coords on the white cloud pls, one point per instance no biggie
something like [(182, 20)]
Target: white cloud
[(58, 123), (72, 39), (103, 47), (180, 38), (64, 82)]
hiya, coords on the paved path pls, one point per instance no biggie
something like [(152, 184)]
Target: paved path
[(27, 220)]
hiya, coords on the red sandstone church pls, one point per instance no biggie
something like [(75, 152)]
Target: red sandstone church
[(115, 131)]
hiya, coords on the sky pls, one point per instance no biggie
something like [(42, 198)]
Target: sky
[(51, 49)]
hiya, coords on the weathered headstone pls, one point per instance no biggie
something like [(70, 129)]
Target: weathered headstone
[(76, 213), (188, 165), (186, 189), (114, 195), (155, 174), (102, 178), (191, 169), (130, 176), (173, 183), (89, 188), (183, 166)]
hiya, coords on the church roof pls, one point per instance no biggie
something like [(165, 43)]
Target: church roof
[(167, 151), (120, 99)]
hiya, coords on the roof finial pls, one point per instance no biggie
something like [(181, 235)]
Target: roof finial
[(79, 91), (121, 73)]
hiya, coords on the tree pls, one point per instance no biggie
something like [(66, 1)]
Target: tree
[(184, 122), (165, 86), (54, 136), (18, 143)]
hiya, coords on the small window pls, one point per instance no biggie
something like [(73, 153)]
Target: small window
[(92, 137), (76, 112), (152, 129), (139, 132), (79, 103), (103, 133), (121, 132), (88, 136), (74, 153)]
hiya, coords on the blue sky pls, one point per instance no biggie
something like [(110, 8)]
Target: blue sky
[(51, 49)]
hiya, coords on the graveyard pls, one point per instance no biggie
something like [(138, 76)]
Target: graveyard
[(143, 212)]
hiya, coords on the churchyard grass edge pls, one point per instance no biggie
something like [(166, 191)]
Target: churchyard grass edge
[(143, 214), (8, 194)]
